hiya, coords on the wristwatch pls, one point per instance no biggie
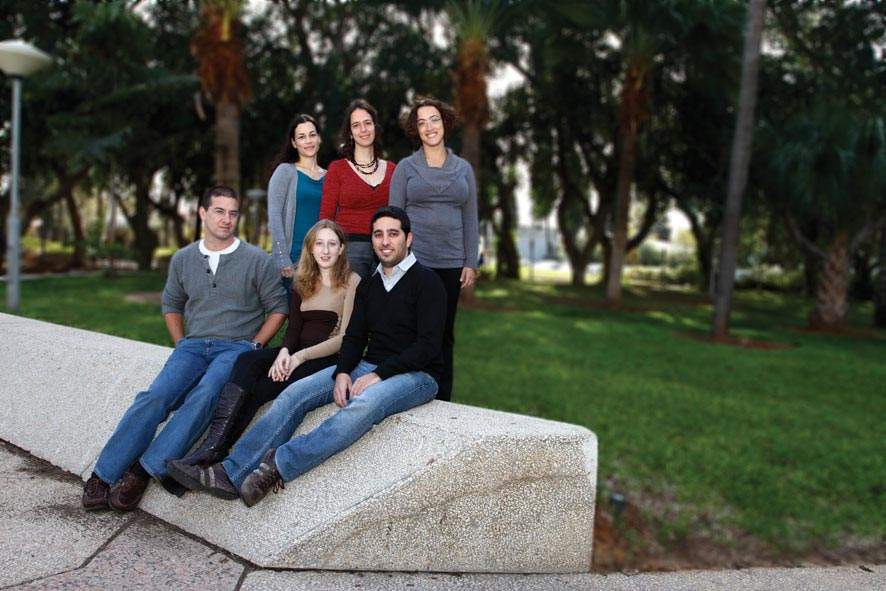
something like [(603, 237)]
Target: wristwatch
[(256, 345)]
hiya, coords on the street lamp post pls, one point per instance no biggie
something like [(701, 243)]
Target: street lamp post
[(17, 60)]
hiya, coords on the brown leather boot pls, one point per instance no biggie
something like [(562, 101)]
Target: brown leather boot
[(127, 494), (95, 494)]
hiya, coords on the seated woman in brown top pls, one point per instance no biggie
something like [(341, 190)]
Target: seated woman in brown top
[(319, 311)]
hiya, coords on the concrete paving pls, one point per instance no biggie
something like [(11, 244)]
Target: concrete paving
[(48, 542)]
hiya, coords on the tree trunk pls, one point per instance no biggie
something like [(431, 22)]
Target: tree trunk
[(861, 287), (145, 238), (79, 257), (227, 144), (810, 273), (880, 284), (579, 256), (628, 155), (703, 250), (833, 286), (470, 147), (606, 251), (738, 168), (507, 259)]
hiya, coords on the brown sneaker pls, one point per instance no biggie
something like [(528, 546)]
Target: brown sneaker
[(127, 494), (95, 494), (261, 481)]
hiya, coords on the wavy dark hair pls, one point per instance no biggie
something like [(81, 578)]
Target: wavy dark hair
[(346, 141), (287, 152), (307, 275), (409, 121)]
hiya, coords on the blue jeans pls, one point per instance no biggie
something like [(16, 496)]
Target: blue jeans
[(361, 258), (296, 456), (190, 382)]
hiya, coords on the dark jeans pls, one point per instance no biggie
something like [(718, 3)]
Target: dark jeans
[(452, 284), (251, 374), (361, 258)]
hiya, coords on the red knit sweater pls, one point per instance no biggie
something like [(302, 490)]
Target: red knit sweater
[(349, 201)]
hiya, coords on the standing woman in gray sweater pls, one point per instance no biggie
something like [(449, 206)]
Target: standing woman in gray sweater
[(439, 192), (294, 193)]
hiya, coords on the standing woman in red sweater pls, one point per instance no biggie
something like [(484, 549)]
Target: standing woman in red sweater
[(357, 184)]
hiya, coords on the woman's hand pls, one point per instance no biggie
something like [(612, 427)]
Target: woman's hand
[(294, 361), (280, 368), (468, 277), (287, 272)]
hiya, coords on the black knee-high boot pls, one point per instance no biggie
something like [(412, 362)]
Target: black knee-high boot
[(215, 445)]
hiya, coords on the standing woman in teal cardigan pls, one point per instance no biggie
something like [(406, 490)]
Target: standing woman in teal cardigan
[(438, 190), (294, 193)]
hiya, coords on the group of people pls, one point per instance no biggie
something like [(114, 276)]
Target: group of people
[(367, 263)]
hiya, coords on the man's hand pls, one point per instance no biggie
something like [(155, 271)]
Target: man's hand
[(280, 368), (287, 271), (342, 386), (363, 382), (468, 277)]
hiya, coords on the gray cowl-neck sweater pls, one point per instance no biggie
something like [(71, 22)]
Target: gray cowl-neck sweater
[(442, 206)]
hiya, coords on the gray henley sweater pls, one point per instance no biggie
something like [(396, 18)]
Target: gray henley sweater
[(442, 206), (230, 304)]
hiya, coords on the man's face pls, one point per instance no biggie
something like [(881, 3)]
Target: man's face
[(390, 243), (220, 218)]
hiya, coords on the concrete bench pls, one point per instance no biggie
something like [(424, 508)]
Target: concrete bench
[(444, 487)]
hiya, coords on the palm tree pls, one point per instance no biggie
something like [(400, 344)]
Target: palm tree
[(633, 110), (224, 80), (473, 21), (738, 167), (831, 165)]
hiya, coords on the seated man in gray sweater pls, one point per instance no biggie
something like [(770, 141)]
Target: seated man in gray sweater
[(222, 297)]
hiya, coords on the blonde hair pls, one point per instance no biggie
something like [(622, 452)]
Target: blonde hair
[(307, 275)]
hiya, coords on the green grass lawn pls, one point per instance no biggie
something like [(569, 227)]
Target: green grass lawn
[(785, 445)]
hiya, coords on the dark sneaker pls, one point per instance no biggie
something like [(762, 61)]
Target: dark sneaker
[(213, 479), (261, 481), (95, 494), (127, 494)]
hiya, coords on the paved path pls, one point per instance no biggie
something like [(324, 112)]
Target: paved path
[(48, 542)]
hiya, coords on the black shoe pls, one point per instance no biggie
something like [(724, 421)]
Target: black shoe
[(95, 494), (172, 486), (213, 480), (215, 444), (261, 481)]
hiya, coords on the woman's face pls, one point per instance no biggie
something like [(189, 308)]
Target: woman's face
[(362, 128), (306, 140), (430, 126), (327, 248)]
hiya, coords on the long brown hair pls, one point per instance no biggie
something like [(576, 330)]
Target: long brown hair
[(307, 277), (288, 152)]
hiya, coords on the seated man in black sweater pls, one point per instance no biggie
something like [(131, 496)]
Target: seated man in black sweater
[(399, 313)]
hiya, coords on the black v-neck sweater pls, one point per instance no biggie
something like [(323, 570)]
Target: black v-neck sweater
[(401, 330)]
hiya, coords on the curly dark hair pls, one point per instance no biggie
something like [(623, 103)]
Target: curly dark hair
[(409, 121), (346, 140)]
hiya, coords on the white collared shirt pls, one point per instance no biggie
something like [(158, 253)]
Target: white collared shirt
[(389, 281), (214, 255)]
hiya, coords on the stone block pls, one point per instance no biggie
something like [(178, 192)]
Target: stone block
[(444, 487)]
